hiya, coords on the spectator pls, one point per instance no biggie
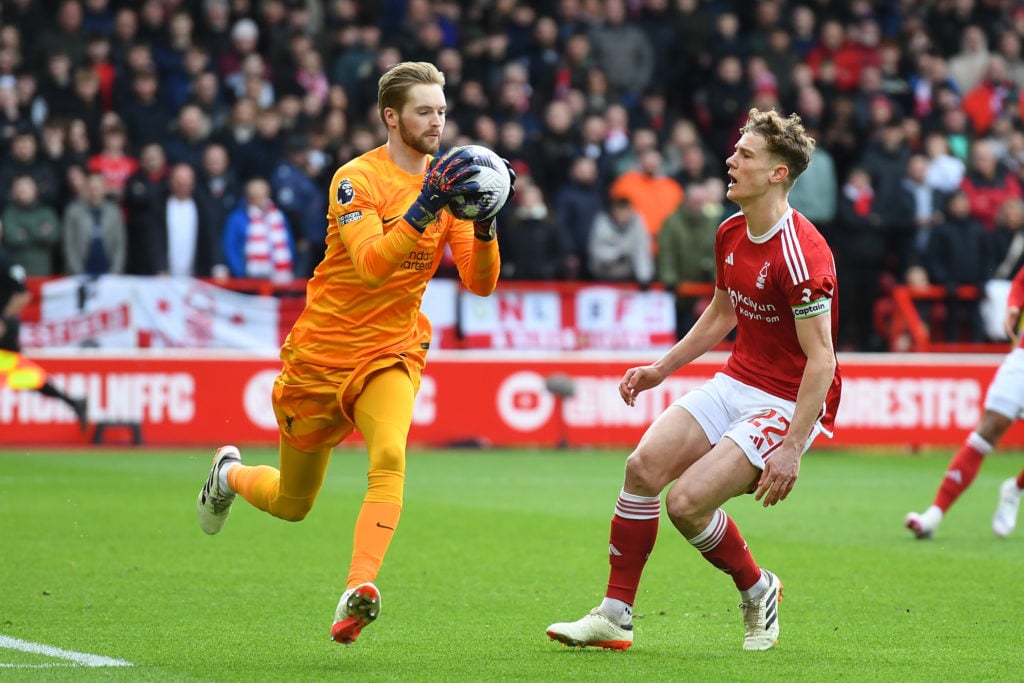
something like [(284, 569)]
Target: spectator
[(532, 245), (145, 116), (86, 103), (58, 154), (12, 118), (722, 104), (31, 228), (932, 89), (557, 146), (816, 191), (137, 59), (886, 160), (172, 55), (25, 160), (260, 156), (994, 94), (27, 17), (987, 184), (694, 167), (860, 259), (576, 206), (65, 36), (967, 67), (124, 35), (686, 247), (303, 204), (945, 171), (214, 31), (97, 17), (512, 145), (185, 240), (219, 182), (929, 205), (653, 195), (622, 50), (728, 39), (252, 80), (186, 143), (1008, 240), (80, 145), (257, 240), (620, 245), (245, 36), (959, 254), (208, 96), (1010, 50), (57, 88), (113, 162), (356, 48), (94, 232), (144, 192)]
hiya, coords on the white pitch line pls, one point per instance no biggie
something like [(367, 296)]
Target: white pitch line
[(79, 658), (4, 665)]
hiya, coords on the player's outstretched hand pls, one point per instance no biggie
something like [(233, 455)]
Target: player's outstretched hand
[(448, 176), (639, 379)]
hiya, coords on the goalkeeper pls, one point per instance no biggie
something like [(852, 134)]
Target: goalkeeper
[(354, 357)]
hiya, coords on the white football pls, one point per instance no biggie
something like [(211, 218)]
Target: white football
[(495, 185)]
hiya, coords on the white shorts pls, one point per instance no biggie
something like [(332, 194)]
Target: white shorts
[(756, 420), (1006, 392)]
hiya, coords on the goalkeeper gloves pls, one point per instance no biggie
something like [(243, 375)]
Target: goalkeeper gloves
[(486, 230), (447, 176)]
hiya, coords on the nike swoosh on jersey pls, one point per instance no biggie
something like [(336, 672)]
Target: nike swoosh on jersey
[(385, 221)]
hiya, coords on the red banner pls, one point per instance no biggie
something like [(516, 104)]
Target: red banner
[(480, 397)]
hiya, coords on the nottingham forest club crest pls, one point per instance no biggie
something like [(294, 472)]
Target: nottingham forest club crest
[(345, 192)]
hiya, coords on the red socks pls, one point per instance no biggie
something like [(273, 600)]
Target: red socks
[(634, 530), (722, 545), (961, 471)]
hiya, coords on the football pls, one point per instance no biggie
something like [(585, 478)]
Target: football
[(495, 185)]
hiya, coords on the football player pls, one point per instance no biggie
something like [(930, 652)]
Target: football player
[(354, 357)]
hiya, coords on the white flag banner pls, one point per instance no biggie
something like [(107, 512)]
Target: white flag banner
[(165, 312)]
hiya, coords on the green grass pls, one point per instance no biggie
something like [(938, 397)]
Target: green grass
[(100, 553)]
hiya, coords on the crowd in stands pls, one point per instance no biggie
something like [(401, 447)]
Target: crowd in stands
[(197, 136)]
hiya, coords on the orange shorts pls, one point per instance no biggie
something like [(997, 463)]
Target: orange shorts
[(314, 404)]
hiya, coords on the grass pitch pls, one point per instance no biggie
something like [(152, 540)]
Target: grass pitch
[(101, 556)]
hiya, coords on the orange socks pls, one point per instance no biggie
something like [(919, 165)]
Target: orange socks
[(289, 498), (375, 528), (258, 484)]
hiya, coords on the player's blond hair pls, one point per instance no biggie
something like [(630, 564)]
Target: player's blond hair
[(785, 139), (393, 87)]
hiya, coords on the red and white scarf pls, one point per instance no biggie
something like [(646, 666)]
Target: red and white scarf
[(267, 252)]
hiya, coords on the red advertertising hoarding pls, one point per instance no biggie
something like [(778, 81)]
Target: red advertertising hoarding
[(209, 398)]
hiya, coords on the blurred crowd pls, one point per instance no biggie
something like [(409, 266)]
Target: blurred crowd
[(197, 136)]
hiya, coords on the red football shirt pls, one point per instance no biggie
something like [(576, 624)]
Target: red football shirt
[(772, 280)]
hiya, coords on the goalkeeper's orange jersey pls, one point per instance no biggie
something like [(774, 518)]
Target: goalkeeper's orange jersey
[(364, 298)]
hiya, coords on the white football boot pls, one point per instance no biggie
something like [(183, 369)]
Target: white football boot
[(761, 616), (923, 525), (1005, 519), (595, 629), (358, 608), (214, 503)]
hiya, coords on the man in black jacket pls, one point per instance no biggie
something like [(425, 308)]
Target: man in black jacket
[(13, 298)]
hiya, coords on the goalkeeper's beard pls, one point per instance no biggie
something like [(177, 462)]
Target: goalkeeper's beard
[(423, 145)]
